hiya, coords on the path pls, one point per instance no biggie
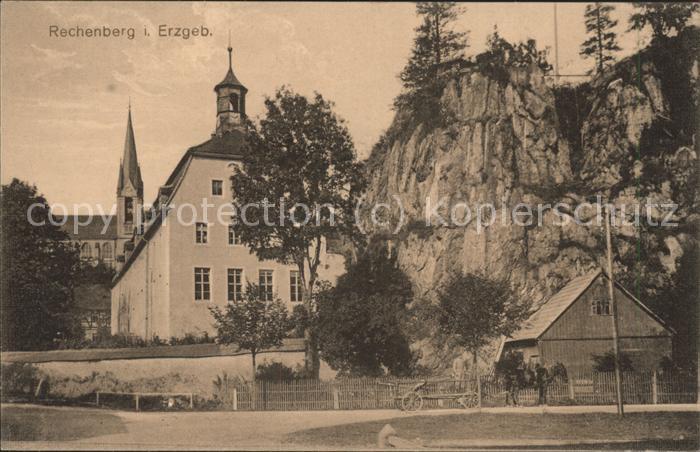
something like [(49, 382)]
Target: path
[(238, 430)]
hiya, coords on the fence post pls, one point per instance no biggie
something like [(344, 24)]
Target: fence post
[(136, 396), (336, 399), (478, 388), (235, 399), (191, 401), (572, 391), (654, 388), (97, 398)]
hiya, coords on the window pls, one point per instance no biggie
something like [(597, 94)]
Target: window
[(201, 233), (98, 252), (217, 187), (600, 307), (265, 284), (235, 284), (129, 210), (234, 103), (107, 251), (202, 289), (233, 239), (85, 251), (295, 286)]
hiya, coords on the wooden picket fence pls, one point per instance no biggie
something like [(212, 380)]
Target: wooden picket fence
[(367, 393)]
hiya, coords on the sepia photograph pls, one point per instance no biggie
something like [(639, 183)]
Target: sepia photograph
[(349, 225)]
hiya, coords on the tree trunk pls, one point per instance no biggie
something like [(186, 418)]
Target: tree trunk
[(312, 363), (252, 355), (254, 386), (475, 370)]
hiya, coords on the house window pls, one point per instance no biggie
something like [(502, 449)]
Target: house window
[(201, 233), (107, 251), (295, 286), (235, 284), (233, 238), (85, 251), (265, 284), (202, 289), (129, 210), (217, 187), (600, 307)]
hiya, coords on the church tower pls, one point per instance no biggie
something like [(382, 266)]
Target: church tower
[(129, 191), (230, 101)]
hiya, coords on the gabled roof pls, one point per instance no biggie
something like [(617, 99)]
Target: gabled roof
[(229, 146), (86, 227), (552, 309)]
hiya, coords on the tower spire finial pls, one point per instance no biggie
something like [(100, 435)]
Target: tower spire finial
[(230, 49)]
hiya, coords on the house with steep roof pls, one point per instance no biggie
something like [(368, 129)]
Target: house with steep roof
[(576, 323), (184, 262)]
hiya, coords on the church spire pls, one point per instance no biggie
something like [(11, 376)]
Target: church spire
[(129, 170)]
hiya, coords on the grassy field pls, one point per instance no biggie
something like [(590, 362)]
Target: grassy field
[(636, 431)]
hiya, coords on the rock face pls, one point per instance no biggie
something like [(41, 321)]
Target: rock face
[(503, 146)]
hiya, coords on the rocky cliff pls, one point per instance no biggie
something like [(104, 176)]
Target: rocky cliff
[(624, 135)]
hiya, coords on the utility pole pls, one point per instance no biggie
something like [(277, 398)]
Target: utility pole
[(613, 309), (556, 46)]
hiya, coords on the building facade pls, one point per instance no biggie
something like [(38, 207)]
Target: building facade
[(576, 323), (186, 260)]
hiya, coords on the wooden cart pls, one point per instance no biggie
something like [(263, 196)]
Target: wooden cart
[(412, 400)]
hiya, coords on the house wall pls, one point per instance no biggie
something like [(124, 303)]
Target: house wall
[(579, 333), (186, 314), (140, 299), (645, 353)]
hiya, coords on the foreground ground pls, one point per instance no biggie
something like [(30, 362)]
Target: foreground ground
[(35, 427)]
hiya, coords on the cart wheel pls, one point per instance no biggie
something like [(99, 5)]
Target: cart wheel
[(411, 401), (468, 401)]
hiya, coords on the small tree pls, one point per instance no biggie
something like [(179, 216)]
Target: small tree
[(251, 323), (360, 322), (662, 17), (435, 43), (606, 362), (301, 173), (474, 310), (602, 41)]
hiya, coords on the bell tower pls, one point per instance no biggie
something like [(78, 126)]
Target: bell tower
[(230, 100), (129, 190)]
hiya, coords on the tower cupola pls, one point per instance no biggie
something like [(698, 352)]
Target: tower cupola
[(230, 101)]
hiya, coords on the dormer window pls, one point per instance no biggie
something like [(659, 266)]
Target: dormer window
[(234, 103)]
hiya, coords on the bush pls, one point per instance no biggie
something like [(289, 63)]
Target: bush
[(18, 379), (275, 371), (606, 362)]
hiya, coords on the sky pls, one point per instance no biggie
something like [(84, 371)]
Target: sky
[(64, 100)]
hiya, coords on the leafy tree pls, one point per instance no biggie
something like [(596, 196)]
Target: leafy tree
[(474, 310), (251, 323), (435, 43), (359, 322), (38, 267), (662, 17), (301, 156), (602, 42)]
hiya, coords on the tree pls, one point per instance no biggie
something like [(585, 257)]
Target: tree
[(606, 362), (435, 43), (300, 166), (38, 265), (251, 323), (360, 322), (474, 310), (602, 41), (662, 17)]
